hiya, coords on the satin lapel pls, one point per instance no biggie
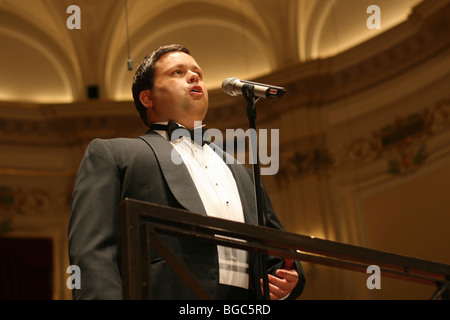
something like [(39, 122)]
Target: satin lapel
[(246, 190), (177, 175)]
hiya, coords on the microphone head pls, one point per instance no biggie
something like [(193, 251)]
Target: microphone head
[(228, 86)]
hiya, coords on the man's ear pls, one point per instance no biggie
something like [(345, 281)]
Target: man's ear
[(145, 96)]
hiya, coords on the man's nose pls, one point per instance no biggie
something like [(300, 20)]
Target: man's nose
[(192, 77)]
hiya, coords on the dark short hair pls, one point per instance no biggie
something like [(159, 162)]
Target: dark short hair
[(145, 74)]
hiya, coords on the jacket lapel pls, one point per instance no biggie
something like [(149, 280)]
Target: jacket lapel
[(180, 182), (246, 190), (176, 175)]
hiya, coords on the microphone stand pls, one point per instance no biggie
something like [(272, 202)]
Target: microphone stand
[(247, 92)]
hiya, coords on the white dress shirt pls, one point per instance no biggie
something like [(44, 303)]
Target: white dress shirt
[(219, 193)]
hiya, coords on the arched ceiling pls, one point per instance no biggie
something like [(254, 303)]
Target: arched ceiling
[(337, 25), (42, 61)]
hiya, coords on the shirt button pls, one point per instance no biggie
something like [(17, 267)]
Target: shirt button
[(234, 259)]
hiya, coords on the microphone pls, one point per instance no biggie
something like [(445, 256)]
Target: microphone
[(234, 87)]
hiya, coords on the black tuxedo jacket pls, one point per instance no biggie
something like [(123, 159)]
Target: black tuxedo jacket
[(142, 169)]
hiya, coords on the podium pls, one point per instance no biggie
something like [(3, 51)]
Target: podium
[(143, 224)]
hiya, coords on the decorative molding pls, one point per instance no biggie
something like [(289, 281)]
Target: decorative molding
[(37, 173), (311, 84), (28, 201), (408, 160), (401, 144), (318, 83), (403, 139), (61, 130), (315, 161)]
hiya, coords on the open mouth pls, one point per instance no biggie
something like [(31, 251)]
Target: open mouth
[(196, 89)]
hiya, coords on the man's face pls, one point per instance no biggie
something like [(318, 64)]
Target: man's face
[(178, 92)]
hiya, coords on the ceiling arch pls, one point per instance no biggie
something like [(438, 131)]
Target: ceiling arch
[(238, 38), (57, 88), (216, 35), (310, 28), (29, 55), (223, 59), (334, 26)]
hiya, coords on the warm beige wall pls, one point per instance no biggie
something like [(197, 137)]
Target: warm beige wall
[(347, 193), (411, 217), (333, 181)]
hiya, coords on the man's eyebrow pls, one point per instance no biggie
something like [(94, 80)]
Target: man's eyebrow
[(182, 65)]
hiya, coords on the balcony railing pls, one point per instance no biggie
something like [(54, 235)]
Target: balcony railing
[(143, 223)]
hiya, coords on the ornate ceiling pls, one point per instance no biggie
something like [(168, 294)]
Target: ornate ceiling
[(364, 108), (43, 61)]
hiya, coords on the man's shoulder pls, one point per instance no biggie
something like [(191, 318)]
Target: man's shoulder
[(120, 150), (120, 140), (117, 144), (113, 141)]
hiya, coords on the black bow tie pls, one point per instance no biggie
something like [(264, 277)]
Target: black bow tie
[(195, 135)]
